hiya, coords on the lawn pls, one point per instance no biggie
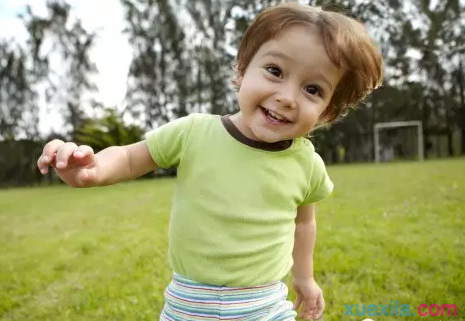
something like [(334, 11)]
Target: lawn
[(390, 232)]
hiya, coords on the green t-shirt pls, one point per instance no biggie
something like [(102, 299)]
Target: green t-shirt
[(233, 210)]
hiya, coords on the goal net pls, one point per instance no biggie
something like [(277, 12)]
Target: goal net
[(399, 140)]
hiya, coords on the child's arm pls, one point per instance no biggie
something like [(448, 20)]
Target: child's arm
[(122, 163), (78, 166), (304, 242), (308, 294)]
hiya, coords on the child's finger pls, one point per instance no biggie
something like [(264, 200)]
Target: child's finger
[(64, 153), (308, 307), (83, 151), (43, 163), (298, 302), (306, 312), (311, 303), (51, 148), (320, 306), (48, 155)]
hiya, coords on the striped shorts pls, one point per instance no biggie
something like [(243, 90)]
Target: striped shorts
[(188, 300)]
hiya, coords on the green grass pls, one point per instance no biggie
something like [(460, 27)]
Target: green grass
[(389, 232)]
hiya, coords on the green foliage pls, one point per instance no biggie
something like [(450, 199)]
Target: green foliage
[(109, 130), (18, 162)]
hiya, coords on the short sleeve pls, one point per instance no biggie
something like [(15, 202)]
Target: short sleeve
[(321, 185), (166, 143)]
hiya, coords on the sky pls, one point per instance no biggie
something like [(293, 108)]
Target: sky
[(112, 53)]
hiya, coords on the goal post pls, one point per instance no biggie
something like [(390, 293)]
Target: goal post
[(397, 124)]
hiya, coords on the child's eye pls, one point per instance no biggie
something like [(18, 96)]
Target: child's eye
[(314, 90), (275, 71)]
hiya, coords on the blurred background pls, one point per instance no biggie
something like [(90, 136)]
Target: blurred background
[(103, 73)]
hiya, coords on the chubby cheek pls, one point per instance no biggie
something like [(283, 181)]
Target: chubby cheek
[(308, 120), (245, 102), (255, 88), (249, 100)]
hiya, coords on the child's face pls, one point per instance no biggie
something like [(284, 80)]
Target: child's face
[(287, 86)]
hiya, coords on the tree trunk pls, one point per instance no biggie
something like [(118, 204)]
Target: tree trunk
[(450, 143), (346, 144), (462, 103), (335, 155)]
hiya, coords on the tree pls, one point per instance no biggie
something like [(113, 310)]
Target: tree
[(69, 50), (18, 109), (160, 75), (108, 130), (182, 59)]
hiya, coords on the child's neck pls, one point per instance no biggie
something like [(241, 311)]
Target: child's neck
[(238, 121)]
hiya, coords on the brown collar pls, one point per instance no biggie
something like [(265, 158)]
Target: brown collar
[(236, 134)]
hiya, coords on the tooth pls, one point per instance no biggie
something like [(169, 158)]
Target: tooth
[(276, 116)]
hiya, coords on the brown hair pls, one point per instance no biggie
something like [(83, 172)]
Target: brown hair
[(346, 41)]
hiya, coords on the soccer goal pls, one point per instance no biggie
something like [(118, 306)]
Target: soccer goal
[(398, 140)]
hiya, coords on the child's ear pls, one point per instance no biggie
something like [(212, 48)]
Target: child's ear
[(237, 81)]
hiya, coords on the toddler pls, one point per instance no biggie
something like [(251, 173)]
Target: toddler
[(243, 212)]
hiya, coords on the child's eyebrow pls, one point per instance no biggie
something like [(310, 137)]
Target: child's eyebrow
[(278, 54)]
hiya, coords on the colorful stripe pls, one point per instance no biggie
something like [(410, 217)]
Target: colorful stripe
[(187, 300)]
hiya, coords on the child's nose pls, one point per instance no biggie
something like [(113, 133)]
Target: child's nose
[(287, 96)]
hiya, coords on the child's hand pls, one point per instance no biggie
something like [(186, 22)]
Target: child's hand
[(310, 297), (75, 165)]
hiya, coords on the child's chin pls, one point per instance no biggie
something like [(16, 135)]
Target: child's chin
[(269, 137)]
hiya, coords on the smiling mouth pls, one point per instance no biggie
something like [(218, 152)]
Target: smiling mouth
[(274, 117)]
